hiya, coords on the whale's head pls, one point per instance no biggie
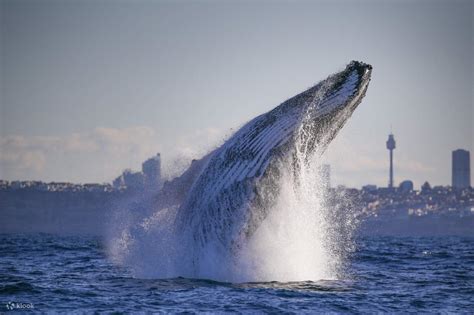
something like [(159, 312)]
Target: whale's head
[(312, 118), (341, 91), (318, 113)]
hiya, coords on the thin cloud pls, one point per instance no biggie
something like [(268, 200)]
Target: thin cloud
[(100, 154), (97, 155)]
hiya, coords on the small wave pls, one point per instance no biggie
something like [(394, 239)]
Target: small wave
[(19, 287)]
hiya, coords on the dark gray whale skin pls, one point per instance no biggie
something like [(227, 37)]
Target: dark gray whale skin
[(223, 197)]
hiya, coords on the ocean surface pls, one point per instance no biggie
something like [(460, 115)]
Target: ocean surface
[(45, 273)]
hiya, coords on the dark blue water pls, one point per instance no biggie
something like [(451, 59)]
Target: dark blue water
[(72, 274)]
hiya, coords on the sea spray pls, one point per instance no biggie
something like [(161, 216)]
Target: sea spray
[(302, 238), (290, 244)]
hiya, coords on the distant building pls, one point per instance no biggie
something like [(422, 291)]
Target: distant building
[(461, 170), (406, 186), (132, 180), (151, 169), (391, 147), (369, 188), (118, 182), (149, 178), (426, 187)]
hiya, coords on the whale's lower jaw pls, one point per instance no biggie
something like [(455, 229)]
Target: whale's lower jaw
[(239, 182)]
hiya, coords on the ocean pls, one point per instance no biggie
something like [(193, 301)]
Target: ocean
[(67, 274)]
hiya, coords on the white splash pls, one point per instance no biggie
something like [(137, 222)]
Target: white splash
[(297, 241), (291, 243)]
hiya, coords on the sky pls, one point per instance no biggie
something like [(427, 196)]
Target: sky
[(89, 88)]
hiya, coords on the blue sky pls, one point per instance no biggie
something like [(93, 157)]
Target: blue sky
[(89, 88)]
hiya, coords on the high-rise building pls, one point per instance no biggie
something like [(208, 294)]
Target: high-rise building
[(133, 180), (461, 170), (151, 169), (391, 147)]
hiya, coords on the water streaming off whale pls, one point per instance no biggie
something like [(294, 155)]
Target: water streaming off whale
[(252, 209)]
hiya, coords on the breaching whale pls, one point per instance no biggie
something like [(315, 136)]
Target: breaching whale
[(222, 198)]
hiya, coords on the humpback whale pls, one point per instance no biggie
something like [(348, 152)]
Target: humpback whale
[(222, 199), (218, 218)]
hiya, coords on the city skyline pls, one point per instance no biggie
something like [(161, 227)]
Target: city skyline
[(89, 89), (151, 170)]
